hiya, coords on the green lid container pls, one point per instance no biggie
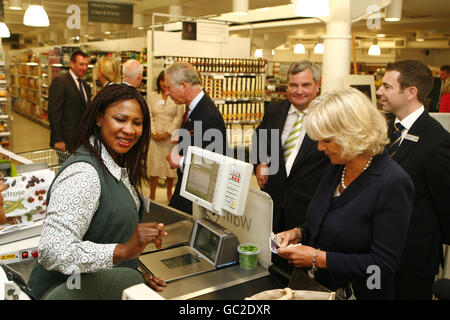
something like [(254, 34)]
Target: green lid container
[(248, 255)]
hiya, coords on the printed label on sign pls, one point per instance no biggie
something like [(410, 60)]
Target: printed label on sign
[(7, 256)]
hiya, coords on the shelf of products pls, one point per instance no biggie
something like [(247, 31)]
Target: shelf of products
[(236, 87), (32, 74), (5, 110)]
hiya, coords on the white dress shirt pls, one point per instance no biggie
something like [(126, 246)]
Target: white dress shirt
[(75, 78), (75, 197), (191, 107), (291, 119), (409, 120)]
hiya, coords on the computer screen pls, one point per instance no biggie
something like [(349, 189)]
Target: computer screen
[(206, 242), (202, 177), (216, 182)]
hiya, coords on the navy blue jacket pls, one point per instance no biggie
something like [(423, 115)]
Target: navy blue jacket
[(365, 226)]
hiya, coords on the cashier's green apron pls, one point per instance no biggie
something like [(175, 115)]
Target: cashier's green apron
[(114, 221)]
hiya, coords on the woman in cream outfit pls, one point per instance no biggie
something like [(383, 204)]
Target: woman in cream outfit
[(166, 116)]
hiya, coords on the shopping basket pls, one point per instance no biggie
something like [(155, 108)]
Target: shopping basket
[(54, 158)]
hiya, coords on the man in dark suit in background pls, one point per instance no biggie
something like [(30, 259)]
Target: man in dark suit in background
[(183, 85), (68, 98), (300, 164), (422, 148), (436, 91)]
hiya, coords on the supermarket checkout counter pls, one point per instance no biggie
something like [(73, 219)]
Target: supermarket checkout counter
[(226, 213), (247, 218)]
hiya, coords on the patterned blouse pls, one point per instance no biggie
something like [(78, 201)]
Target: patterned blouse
[(75, 196)]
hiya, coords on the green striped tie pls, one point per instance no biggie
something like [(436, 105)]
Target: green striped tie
[(291, 140)]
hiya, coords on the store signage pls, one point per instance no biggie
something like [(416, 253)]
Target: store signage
[(204, 31), (110, 12), (74, 20), (212, 32), (189, 30)]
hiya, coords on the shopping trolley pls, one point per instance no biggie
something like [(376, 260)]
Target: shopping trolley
[(54, 158)]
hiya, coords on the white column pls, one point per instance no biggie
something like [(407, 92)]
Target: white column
[(337, 42)]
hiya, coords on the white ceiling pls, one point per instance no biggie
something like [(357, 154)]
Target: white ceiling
[(430, 16)]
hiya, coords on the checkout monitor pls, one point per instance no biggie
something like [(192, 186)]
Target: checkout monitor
[(216, 182)]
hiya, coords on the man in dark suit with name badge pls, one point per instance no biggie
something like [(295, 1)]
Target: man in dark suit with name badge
[(300, 165), (421, 146), (183, 85), (68, 98)]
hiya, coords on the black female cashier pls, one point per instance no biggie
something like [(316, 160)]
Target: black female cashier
[(92, 228)]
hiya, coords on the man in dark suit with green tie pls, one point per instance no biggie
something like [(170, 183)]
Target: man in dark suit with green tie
[(422, 147)]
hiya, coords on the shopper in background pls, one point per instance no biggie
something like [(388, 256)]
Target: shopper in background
[(183, 85), (166, 117), (3, 187), (358, 218), (444, 105), (68, 98), (438, 89), (108, 71), (301, 166), (94, 206), (132, 72), (422, 147)]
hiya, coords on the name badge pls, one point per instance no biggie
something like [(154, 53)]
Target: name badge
[(161, 102), (411, 137)]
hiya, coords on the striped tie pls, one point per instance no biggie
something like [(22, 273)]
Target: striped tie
[(291, 140), (396, 138)]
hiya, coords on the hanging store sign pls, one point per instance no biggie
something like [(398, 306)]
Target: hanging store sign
[(110, 12), (189, 31), (212, 32)]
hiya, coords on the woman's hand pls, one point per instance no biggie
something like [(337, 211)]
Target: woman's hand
[(141, 237), (154, 282), (156, 136), (302, 256), (288, 237), (164, 136)]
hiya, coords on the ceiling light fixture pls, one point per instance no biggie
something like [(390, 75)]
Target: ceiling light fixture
[(15, 5), (374, 49), (4, 31), (240, 7), (309, 8), (258, 53), (299, 49), (394, 11), (420, 36), (35, 16)]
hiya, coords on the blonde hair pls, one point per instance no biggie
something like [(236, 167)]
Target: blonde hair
[(110, 68), (350, 118)]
